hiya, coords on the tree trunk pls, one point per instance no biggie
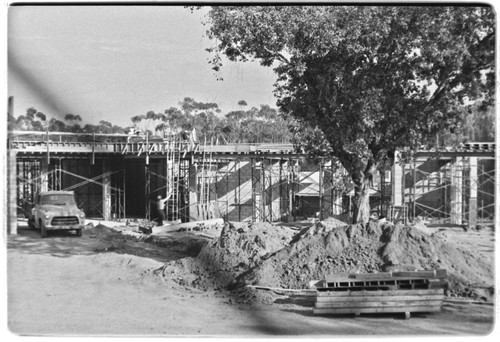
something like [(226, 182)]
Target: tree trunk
[(361, 201), (361, 172)]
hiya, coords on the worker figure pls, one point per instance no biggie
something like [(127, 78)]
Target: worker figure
[(160, 207)]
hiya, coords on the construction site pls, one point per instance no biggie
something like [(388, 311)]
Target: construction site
[(261, 223), (118, 177)]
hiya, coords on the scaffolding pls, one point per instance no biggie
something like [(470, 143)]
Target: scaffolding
[(458, 192), (31, 180), (240, 182), (173, 179)]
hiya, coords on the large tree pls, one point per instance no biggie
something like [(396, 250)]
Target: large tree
[(368, 80)]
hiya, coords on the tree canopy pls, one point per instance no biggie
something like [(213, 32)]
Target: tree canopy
[(368, 80)]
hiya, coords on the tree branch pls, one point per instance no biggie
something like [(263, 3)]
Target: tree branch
[(277, 55)]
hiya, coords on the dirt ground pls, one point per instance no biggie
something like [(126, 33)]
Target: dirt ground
[(107, 284)]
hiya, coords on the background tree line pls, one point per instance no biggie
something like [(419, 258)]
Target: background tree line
[(254, 125), (264, 125)]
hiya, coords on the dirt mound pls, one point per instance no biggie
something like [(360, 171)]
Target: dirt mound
[(268, 255), (321, 250), (240, 247)]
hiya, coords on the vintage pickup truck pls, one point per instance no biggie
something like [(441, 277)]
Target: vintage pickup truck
[(56, 210)]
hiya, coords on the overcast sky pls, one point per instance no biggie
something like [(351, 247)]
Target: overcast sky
[(112, 63)]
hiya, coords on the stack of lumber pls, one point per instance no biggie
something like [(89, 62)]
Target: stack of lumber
[(406, 292)]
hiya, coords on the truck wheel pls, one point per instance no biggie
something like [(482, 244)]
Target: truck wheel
[(79, 232), (43, 231)]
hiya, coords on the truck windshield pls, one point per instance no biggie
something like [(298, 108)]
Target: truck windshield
[(58, 199)]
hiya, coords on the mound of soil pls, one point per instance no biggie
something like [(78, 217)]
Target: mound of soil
[(240, 247), (273, 256), (322, 250)]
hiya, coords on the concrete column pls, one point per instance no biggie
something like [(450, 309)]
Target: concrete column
[(44, 175), (321, 190), (283, 184), (11, 192), (397, 182), (194, 213), (256, 190), (327, 207), (106, 193), (473, 192), (275, 191), (456, 192)]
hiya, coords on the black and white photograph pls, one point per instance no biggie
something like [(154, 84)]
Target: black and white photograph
[(242, 170)]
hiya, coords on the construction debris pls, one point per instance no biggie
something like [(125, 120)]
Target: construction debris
[(190, 226)]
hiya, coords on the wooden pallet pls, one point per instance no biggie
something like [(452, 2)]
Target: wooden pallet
[(357, 302), (405, 292)]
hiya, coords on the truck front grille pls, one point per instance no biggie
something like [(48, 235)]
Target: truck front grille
[(64, 220)]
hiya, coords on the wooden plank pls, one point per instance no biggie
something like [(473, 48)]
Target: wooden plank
[(358, 288), (424, 308), (378, 298), (379, 293), (372, 276), (439, 273), (344, 277), (381, 304)]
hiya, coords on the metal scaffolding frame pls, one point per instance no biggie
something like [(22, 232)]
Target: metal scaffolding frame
[(271, 190), (32, 178), (453, 182), (175, 179)]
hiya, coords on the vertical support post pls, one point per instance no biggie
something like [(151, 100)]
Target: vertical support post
[(403, 185), (456, 192), (238, 191), (106, 193), (282, 202), (226, 217), (12, 192), (44, 175), (93, 149), (262, 190), (59, 174), (382, 192), (192, 188), (473, 192), (414, 188), (124, 197), (270, 191), (321, 192), (266, 188), (256, 189), (397, 183), (147, 192), (291, 216), (47, 142)]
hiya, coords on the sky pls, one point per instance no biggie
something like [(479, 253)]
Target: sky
[(115, 62)]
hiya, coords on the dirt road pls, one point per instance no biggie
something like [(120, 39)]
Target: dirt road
[(97, 285)]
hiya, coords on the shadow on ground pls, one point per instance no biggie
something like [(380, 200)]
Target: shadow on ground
[(94, 241)]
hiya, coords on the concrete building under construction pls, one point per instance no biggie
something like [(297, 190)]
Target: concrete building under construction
[(119, 176)]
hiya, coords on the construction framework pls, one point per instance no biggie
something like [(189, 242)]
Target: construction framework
[(258, 182), (464, 189)]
